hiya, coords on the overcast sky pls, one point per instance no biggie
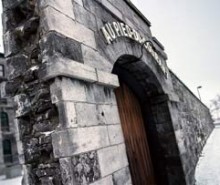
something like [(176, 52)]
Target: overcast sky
[(190, 32)]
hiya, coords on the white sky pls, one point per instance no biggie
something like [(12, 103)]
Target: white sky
[(190, 32)]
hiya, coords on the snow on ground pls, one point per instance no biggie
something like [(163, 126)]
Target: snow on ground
[(208, 169), (14, 181)]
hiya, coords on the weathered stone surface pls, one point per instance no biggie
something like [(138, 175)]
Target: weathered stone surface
[(54, 43), (93, 58), (10, 46), (67, 36), (108, 114), (68, 90), (115, 134), (10, 3), (91, 114), (65, 25), (70, 114), (99, 94), (107, 79), (23, 105), (96, 9), (122, 177), (192, 127), (115, 11), (58, 66), (75, 141), (85, 17), (30, 146), (67, 171), (104, 181), (65, 8), (112, 159), (86, 168)]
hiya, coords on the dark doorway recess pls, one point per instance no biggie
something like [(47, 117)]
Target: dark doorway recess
[(135, 96)]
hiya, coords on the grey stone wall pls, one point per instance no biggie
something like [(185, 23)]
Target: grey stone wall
[(60, 77), (193, 127)]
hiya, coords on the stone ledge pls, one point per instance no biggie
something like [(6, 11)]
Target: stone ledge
[(58, 66)]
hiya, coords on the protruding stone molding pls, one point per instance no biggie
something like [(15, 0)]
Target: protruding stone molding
[(58, 66)]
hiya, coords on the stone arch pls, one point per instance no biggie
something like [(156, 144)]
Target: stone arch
[(124, 46), (138, 76)]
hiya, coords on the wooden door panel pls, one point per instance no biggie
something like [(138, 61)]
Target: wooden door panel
[(135, 137)]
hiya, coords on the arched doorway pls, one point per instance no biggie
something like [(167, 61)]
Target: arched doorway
[(135, 98), (136, 141)]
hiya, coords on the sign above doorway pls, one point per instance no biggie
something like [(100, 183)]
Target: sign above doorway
[(115, 30)]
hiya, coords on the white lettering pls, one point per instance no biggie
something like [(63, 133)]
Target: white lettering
[(112, 31), (106, 35), (124, 30), (128, 31), (116, 28)]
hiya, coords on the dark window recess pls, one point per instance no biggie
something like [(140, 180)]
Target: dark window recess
[(4, 122), (2, 71), (7, 151)]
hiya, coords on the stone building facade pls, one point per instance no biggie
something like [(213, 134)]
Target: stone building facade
[(82, 72), (9, 163)]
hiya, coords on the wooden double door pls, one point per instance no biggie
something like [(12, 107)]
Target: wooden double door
[(135, 137)]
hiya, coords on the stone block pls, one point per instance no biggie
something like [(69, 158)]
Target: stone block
[(67, 114), (10, 46), (70, 114), (54, 43), (59, 66), (86, 114), (105, 181), (67, 90), (122, 177), (67, 171), (75, 141), (56, 21), (17, 66), (107, 79), (65, 7), (112, 159), (108, 114), (115, 134), (84, 17), (86, 168), (23, 105), (100, 94), (93, 58)]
